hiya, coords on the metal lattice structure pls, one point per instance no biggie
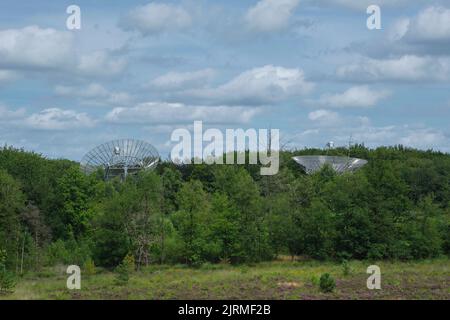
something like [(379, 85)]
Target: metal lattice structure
[(341, 165), (120, 158)]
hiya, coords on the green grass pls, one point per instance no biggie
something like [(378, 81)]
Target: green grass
[(428, 279)]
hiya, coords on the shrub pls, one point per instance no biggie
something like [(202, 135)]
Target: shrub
[(446, 236), (57, 253), (123, 275), (244, 269), (7, 279), (129, 262), (378, 251), (314, 280), (327, 283), (89, 267), (346, 270), (68, 252), (124, 269), (211, 266)]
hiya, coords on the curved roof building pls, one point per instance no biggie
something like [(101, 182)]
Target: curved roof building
[(312, 164)]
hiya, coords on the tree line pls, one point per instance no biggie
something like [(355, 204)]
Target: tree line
[(396, 207)]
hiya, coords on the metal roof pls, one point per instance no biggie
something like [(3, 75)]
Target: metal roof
[(312, 164)]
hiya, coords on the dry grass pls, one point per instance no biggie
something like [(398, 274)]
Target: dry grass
[(274, 280)]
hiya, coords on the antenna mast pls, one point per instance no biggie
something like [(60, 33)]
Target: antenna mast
[(270, 141), (349, 145)]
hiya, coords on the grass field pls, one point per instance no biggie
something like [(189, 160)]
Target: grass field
[(274, 280)]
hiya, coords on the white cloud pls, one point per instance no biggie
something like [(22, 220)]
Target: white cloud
[(360, 130), (183, 80), (94, 94), (270, 15), (35, 48), (406, 68), (361, 4), (100, 63), (164, 113), (409, 136), (431, 24), (399, 29), (265, 85), (425, 138), (332, 120), (320, 114), (8, 76), (155, 18), (6, 114), (58, 119), (325, 117), (359, 96), (427, 33), (94, 90)]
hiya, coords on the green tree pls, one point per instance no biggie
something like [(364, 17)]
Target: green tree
[(318, 231), (74, 191), (11, 203), (110, 236), (146, 224), (171, 181), (224, 228), (190, 220), (243, 192)]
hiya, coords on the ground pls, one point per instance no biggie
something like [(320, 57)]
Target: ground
[(428, 279)]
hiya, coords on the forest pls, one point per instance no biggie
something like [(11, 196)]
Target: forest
[(397, 207)]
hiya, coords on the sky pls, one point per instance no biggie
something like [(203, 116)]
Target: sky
[(141, 69)]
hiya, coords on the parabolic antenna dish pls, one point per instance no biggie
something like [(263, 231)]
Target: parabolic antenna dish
[(341, 165), (120, 158)]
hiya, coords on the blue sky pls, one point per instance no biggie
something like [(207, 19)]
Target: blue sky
[(140, 69)]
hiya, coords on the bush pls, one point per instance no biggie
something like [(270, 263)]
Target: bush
[(7, 279), (207, 266), (129, 262), (173, 251), (124, 269), (123, 275), (446, 237), (314, 280), (379, 251), (68, 252), (346, 270), (57, 253), (89, 267), (327, 283)]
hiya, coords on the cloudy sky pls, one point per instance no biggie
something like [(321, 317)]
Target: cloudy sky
[(140, 69)]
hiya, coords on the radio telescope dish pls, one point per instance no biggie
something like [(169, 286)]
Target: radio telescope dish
[(341, 165), (120, 158)]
